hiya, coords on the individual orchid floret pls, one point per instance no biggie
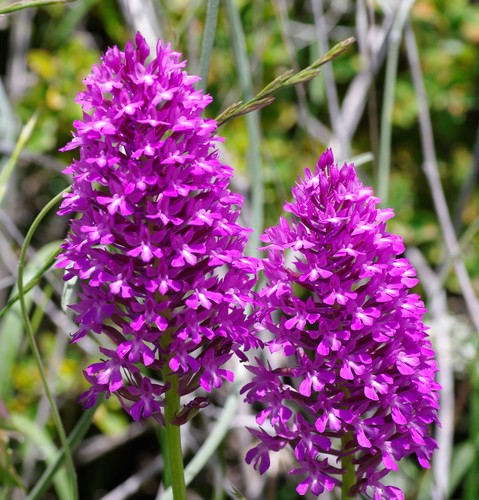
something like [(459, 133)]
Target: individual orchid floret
[(156, 248), (350, 378)]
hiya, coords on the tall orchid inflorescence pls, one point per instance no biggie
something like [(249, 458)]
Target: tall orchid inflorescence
[(157, 249), (351, 378)]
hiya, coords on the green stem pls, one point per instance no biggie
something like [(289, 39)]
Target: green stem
[(213, 440), (33, 345), (173, 438), (349, 477)]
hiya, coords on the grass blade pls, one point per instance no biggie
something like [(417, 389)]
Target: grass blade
[(42, 440), (208, 41), (30, 4), (74, 439)]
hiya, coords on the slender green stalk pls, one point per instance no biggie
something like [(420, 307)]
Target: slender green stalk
[(30, 4), (173, 437), (349, 477), (208, 40), (74, 439), (252, 123), (33, 345)]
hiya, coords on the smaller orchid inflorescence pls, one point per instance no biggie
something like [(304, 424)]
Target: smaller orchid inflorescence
[(157, 250), (353, 374)]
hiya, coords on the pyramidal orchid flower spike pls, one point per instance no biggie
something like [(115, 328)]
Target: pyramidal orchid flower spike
[(156, 248), (350, 384)]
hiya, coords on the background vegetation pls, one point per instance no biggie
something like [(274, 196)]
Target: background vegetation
[(403, 104)]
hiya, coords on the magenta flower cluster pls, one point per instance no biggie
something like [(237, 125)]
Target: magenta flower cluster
[(164, 283), (351, 374), (157, 248)]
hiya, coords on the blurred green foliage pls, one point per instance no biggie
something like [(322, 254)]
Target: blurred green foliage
[(58, 78)]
